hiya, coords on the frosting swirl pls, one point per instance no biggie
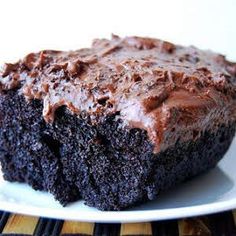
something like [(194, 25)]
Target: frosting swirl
[(173, 92)]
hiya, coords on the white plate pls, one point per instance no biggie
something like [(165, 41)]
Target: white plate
[(211, 192)]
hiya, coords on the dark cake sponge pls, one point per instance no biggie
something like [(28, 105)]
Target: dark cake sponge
[(109, 166), (115, 123)]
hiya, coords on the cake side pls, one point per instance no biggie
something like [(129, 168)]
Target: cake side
[(117, 123), (110, 166)]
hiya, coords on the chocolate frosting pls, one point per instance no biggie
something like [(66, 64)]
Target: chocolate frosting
[(172, 92)]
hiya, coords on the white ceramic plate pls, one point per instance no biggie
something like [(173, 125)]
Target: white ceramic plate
[(211, 192)]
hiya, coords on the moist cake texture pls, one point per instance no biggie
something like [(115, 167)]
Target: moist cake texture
[(116, 123)]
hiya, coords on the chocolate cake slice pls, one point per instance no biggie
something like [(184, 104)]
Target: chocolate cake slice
[(117, 123)]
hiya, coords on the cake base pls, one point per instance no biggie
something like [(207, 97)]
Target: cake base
[(108, 165)]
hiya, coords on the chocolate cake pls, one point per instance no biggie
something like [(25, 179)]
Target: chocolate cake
[(117, 123)]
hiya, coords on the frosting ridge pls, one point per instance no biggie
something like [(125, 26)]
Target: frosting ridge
[(155, 85)]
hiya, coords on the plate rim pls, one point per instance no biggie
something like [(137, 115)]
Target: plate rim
[(121, 216)]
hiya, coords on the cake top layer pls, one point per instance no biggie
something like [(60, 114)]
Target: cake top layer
[(140, 79)]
